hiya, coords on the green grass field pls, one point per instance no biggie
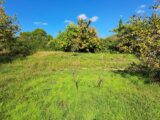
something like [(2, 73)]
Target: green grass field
[(76, 86)]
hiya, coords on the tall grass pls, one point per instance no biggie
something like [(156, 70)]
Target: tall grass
[(64, 86)]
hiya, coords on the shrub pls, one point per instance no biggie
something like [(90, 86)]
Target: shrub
[(8, 31), (37, 39), (54, 45), (21, 48), (79, 38), (110, 44), (141, 36)]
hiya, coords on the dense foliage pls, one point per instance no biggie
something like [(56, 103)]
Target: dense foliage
[(110, 44), (141, 36), (8, 30), (37, 39), (78, 38), (26, 43)]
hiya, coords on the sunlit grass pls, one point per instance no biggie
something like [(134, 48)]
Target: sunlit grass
[(69, 86)]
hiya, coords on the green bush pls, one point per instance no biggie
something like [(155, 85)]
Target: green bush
[(37, 39), (55, 45), (21, 48), (141, 36), (78, 38), (8, 31), (110, 44)]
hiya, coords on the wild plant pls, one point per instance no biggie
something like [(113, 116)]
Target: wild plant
[(100, 81), (75, 68)]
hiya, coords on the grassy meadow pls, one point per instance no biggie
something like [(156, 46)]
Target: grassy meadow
[(76, 86)]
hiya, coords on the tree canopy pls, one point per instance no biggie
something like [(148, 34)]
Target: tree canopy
[(79, 38), (8, 30)]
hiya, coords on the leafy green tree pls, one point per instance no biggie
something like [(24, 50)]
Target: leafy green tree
[(141, 36), (120, 24), (37, 39), (88, 37), (8, 31), (110, 44), (79, 38), (70, 38), (22, 49)]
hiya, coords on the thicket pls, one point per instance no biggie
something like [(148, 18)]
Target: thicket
[(141, 36), (78, 38), (12, 44), (110, 44), (36, 40), (8, 30)]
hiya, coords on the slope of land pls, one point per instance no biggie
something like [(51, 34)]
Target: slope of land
[(76, 86)]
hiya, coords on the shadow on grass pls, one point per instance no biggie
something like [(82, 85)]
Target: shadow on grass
[(5, 58), (131, 72)]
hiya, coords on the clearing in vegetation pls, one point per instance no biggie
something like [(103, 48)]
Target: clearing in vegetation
[(76, 86)]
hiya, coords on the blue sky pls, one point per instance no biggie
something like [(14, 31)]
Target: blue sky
[(54, 15)]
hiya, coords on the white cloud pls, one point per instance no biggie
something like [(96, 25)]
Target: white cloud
[(82, 16), (94, 19), (37, 23), (142, 6), (68, 21), (140, 11), (121, 16), (41, 23), (44, 23)]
